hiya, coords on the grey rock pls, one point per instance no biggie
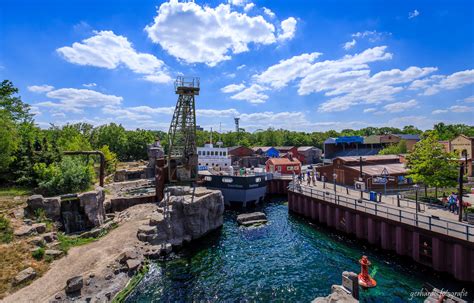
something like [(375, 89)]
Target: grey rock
[(50, 237), (52, 207), (338, 295), (254, 222), (74, 284), (40, 227), (133, 264), (242, 218), (53, 253), (25, 230), (38, 241), (156, 219), (93, 205), (28, 221), (24, 275)]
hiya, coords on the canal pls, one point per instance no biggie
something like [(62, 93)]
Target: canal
[(287, 260)]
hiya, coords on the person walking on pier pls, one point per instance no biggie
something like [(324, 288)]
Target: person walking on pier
[(452, 202)]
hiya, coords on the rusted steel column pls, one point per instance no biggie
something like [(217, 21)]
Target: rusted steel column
[(439, 254), (415, 248), (360, 227), (322, 213), (371, 231), (459, 262), (386, 235), (329, 215), (400, 242)]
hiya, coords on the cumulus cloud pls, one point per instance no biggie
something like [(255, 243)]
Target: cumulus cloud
[(469, 99), (108, 50), (349, 44), (455, 109), (75, 100), (268, 12), (202, 34), (40, 88), (232, 88), (453, 81), (89, 85), (252, 94), (248, 7), (288, 27), (241, 66), (370, 110), (398, 107), (413, 14)]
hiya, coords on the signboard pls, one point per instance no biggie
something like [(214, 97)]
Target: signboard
[(360, 186), (385, 172), (379, 180)]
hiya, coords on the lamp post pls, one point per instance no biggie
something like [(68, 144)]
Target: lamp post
[(416, 187), (461, 180)]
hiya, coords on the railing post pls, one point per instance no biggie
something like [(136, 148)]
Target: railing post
[(429, 220), (467, 232), (400, 215), (375, 209)]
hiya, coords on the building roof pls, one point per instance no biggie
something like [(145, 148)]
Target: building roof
[(369, 158), (263, 148), (349, 139), (284, 161), (408, 136), (373, 139), (330, 141), (284, 148), (305, 148), (377, 169)]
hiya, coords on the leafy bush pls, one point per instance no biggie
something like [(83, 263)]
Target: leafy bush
[(110, 160), (38, 254), (68, 176), (6, 231)]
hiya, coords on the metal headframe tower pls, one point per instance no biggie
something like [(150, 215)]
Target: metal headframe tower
[(182, 153)]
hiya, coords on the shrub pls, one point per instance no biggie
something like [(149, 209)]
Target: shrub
[(68, 176), (38, 254), (110, 159), (6, 231)]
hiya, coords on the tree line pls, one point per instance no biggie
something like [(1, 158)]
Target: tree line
[(33, 157)]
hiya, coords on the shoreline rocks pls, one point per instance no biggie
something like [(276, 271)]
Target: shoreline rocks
[(252, 219)]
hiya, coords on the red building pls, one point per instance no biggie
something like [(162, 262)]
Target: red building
[(283, 165)]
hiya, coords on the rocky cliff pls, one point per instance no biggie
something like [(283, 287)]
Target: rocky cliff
[(189, 217)]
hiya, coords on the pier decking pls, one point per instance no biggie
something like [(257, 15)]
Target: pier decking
[(441, 243)]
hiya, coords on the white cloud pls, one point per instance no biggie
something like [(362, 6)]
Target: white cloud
[(285, 71), (232, 88), (202, 34), (453, 81), (349, 44), (440, 111), (461, 109), (237, 2), (398, 107), (75, 100), (268, 12), (288, 27), (249, 7), (372, 36), (241, 66), (252, 94), (108, 50), (231, 112), (40, 88), (370, 110), (413, 14), (89, 85), (35, 110), (469, 99)]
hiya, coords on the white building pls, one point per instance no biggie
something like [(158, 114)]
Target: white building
[(216, 158)]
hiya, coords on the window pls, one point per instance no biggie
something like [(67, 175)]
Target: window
[(199, 152), (227, 180), (208, 153), (225, 164), (279, 167), (224, 153), (289, 167), (208, 178), (258, 179)]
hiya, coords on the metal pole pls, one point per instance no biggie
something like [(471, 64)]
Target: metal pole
[(461, 177), (416, 207)]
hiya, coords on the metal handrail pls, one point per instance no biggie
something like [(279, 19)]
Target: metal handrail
[(431, 223)]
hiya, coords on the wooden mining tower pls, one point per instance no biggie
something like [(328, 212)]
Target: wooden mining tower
[(182, 152)]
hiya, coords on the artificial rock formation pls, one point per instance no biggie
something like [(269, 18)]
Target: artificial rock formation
[(189, 217)]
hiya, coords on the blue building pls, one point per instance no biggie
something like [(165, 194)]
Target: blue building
[(266, 151)]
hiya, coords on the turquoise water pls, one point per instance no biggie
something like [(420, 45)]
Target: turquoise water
[(287, 260)]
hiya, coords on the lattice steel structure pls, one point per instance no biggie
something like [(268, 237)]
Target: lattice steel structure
[(182, 152)]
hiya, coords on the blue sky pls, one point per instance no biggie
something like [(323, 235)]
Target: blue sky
[(299, 65)]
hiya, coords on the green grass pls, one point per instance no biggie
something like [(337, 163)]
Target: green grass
[(6, 231), (66, 242), (38, 254), (15, 191), (124, 293), (8, 194)]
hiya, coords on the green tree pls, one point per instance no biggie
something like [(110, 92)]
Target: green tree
[(8, 141), (395, 149), (431, 165), (110, 160), (114, 136), (12, 104)]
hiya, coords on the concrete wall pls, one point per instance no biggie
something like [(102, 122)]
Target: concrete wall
[(437, 251)]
